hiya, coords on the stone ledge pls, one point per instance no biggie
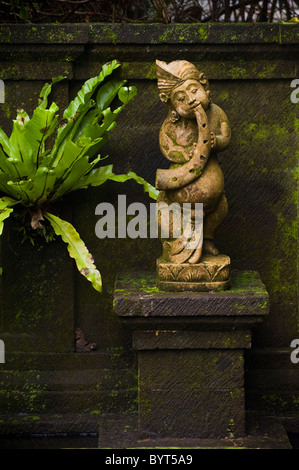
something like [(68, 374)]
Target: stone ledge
[(263, 433), (119, 431), (59, 361), (44, 33), (170, 339), (187, 33), (136, 295), (224, 51), (26, 424)]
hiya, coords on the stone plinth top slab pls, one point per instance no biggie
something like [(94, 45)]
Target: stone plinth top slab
[(136, 295)]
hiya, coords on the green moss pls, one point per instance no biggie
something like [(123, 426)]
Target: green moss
[(165, 36), (262, 133), (273, 401), (252, 126), (31, 418), (264, 304), (243, 282), (238, 73), (229, 342), (267, 72), (282, 259), (145, 406), (144, 70), (224, 96), (230, 428), (176, 154), (238, 308), (7, 110), (289, 231), (203, 33), (246, 281), (30, 397), (184, 33), (175, 165), (32, 317), (295, 400), (150, 290), (110, 34)]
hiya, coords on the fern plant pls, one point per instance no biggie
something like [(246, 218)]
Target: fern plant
[(35, 176)]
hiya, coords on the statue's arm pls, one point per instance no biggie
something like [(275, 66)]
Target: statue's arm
[(223, 138), (176, 178), (223, 134)]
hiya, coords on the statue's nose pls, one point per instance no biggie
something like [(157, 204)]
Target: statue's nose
[(191, 99)]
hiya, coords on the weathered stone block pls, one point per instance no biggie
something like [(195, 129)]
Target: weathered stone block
[(192, 393), (207, 414), (190, 348), (178, 339)]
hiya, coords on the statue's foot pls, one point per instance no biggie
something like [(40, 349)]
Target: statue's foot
[(209, 248)]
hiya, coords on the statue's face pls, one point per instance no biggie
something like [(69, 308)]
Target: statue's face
[(188, 96)]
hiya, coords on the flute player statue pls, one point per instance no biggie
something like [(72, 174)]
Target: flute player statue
[(190, 137)]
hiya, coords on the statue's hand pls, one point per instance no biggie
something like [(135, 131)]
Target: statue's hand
[(213, 140)]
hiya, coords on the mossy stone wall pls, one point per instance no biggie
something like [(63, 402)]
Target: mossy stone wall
[(250, 69)]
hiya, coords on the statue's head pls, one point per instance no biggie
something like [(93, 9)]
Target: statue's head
[(182, 87)]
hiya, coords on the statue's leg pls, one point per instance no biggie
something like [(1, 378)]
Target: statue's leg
[(211, 223), (185, 249)]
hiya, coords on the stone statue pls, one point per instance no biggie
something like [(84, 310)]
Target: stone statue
[(194, 130)]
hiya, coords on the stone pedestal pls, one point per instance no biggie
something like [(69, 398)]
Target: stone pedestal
[(190, 353), (211, 273)]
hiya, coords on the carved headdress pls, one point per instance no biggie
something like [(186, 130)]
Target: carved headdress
[(175, 73)]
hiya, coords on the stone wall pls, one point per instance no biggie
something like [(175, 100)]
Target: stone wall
[(43, 298)]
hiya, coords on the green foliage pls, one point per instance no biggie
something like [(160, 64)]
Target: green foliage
[(156, 11), (77, 249), (36, 176)]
